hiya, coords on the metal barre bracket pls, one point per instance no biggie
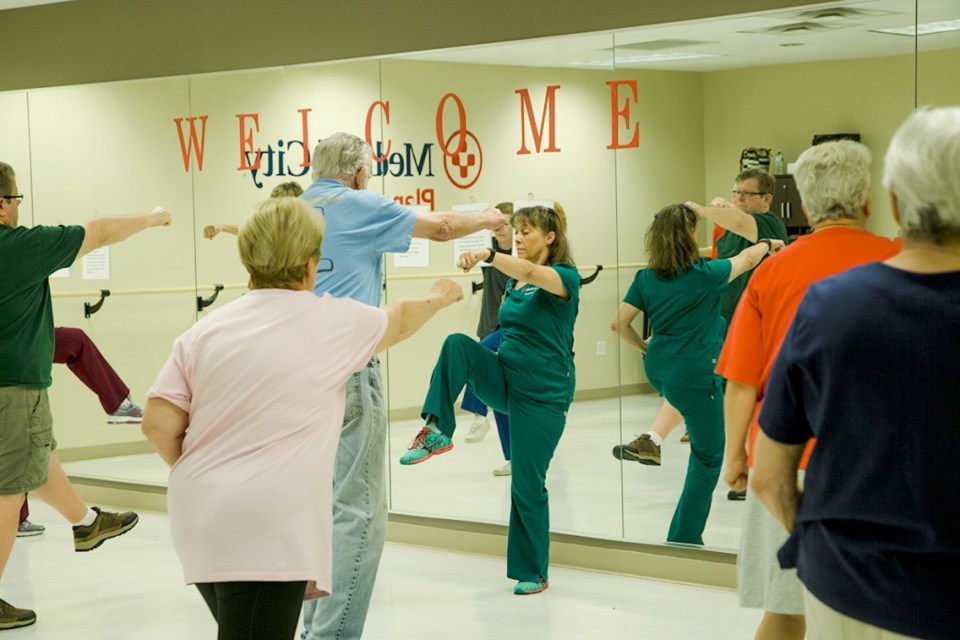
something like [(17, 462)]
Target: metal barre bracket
[(203, 303), (90, 309), (593, 276), (475, 287)]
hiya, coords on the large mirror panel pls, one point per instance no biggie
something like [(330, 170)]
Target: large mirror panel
[(105, 150), (537, 126), (771, 81)]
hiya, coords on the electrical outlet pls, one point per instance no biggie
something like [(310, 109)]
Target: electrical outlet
[(601, 347)]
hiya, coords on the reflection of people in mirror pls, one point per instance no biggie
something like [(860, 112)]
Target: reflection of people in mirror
[(490, 334), (834, 182), (869, 368), (738, 224), (247, 412), (680, 292), (282, 190), (531, 378)]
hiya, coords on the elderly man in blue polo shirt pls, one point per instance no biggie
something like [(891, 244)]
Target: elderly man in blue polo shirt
[(361, 227)]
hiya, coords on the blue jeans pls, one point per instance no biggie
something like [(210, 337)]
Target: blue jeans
[(473, 404), (359, 512)]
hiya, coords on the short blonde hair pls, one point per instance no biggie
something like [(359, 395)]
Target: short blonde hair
[(277, 240)]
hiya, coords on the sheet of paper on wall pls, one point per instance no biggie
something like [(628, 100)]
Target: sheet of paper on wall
[(474, 241), (418, 255), (96, 264), (522, 204), (61, 273)]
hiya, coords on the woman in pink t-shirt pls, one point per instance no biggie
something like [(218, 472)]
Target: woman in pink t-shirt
[(247, 412)]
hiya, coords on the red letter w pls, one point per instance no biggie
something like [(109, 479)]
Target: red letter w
[(191, 147), (548, 115)]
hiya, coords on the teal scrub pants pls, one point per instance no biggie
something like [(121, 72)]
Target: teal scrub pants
[(702, 411), (536, 402)]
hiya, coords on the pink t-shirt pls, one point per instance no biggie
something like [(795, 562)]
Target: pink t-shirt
[(263, 380)]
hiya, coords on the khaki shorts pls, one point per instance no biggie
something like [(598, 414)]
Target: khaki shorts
[(26, 439)]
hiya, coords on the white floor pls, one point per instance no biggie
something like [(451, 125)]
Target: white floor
[(131, 589), (591, 493)]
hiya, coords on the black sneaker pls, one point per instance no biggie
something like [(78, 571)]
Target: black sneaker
[(642, 450), (13, 618), (107, 525), (737, 495)]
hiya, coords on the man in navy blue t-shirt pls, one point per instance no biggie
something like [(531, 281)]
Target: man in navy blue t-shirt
[(871, 368)]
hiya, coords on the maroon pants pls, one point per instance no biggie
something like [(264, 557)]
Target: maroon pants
[(75, 349)]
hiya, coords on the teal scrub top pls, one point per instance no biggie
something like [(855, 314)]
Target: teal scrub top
[(538, 336), (730, 244), (685, 319)]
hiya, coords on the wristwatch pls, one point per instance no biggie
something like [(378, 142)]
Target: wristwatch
[(490, 256), (767, 242)]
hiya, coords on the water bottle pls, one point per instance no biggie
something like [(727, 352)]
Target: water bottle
[(778, 164)]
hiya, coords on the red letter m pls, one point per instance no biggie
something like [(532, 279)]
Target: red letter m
[(548, 115), (191, 147)]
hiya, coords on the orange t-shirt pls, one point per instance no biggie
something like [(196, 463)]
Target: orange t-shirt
[(717, 232), (771, 299)]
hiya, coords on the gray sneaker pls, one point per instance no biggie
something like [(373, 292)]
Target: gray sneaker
[(642, 450), (13, 618), (107, 525)]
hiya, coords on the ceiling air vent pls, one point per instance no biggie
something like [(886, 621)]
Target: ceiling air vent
[(793, 28), (660, 45)]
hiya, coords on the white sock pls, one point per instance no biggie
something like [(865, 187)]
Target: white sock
[(87, 519), (657, 440), (433, 427)]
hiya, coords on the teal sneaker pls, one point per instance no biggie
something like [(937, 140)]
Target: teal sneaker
[(530, 588), (428, 443)]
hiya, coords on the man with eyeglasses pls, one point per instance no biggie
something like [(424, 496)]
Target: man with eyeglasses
[(28, 460), (746, 220)]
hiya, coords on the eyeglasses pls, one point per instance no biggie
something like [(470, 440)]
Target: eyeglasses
[(18, 198), (747, 194), (325, 269)]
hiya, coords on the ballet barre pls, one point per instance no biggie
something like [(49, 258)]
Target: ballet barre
[(90, 308)]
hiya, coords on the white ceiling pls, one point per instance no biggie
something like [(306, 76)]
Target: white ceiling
[(734, 39)]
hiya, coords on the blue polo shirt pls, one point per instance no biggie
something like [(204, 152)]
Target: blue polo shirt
[(871, 368), (361, 227)]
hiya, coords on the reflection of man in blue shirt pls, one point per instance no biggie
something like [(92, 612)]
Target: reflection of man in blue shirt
[(361, 227)]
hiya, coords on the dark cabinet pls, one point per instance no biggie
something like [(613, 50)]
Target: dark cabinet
[(786, 204)]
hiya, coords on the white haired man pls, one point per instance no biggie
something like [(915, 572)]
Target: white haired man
[(361, 227), (834, 183)]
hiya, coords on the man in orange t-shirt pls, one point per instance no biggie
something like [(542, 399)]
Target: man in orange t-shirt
[(834, 184)]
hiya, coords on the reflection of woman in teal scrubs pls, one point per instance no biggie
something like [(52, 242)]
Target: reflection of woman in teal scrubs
[(680, 292), (531, 378)]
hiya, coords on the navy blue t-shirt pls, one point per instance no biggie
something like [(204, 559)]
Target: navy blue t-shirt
[(871, 368)]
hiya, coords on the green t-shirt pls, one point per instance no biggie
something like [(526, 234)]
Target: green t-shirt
[(27, 258), (685, 319), (538, 336), (730, 244)]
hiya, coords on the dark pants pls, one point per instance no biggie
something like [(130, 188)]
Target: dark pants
[(75, 349), (536, 425), (254, 610), (473, 404)]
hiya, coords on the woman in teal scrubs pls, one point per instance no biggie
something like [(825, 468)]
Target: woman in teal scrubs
[(531, 378), (680, 293)]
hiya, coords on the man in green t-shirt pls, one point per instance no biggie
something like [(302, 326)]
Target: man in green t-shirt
[(28, 461), (747, 220)]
